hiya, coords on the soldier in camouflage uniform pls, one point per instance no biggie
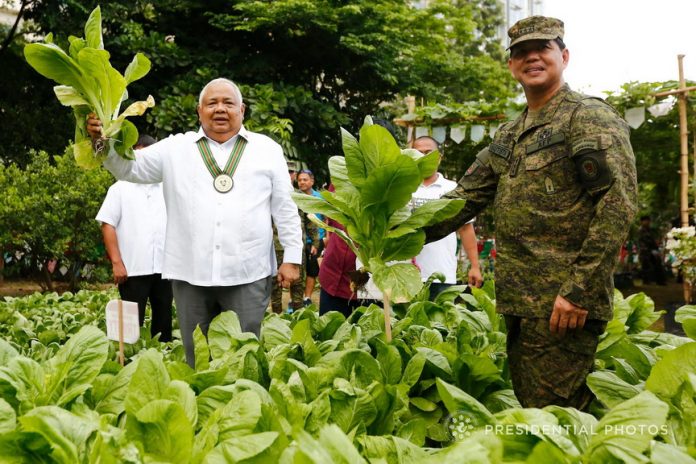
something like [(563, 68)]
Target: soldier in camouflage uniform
[(562, 180), (297, 288)]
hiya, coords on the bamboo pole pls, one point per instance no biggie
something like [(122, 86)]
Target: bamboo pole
[(411, 105), (683, 135), (667, 93), (684, 158)]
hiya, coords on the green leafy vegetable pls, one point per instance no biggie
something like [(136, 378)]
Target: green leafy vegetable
[(374, 183), (88, 83)]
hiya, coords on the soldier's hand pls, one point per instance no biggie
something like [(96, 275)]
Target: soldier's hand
[(313, 250), (94, 126), (288, 273), (566, 316), (120, 273)]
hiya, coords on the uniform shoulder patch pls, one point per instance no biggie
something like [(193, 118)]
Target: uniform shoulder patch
[(594, 143), (593, 171), (484, 156), (589, 168), (473, 168)]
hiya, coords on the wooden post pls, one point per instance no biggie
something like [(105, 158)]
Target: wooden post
[(387, 314), (682, 94), (411, 105), (683, 135), (121, 357)]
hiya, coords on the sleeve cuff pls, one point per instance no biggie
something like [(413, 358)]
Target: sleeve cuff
[(573, 293), (292, 255)]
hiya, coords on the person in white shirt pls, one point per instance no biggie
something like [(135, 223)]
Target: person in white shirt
[(133, 221), (223, 187), (441, 256)]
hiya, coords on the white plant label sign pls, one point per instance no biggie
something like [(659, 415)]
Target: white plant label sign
[(131, 325)]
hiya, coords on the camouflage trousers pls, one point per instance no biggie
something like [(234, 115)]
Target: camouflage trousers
[(549, 369), (297, 289)]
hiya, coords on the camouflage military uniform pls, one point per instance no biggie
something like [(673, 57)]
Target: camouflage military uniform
[(297, 287), (564, 193)]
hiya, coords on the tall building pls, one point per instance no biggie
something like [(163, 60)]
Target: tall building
[(514, 10), (8, 13)]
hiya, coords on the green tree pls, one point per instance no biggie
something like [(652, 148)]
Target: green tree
[(30, 115), (307, 67), (656, 145), (48, 214)]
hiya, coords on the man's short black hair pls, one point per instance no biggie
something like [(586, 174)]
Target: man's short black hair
[(438, 145), (145, 141), (561, 44), (387, 125), (645, 217)]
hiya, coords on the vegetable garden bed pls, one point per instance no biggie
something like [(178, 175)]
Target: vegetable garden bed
[(326, 389)]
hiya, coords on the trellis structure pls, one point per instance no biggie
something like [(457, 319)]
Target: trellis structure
[(411, 124), (682, 94)]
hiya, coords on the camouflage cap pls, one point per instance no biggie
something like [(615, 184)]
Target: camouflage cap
[(535, 28), (293, 166)]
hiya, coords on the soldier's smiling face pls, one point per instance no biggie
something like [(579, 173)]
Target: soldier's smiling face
[(538, 64)]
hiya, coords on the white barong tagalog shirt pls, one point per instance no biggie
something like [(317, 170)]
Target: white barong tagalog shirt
[(138, 214), (219, 239)]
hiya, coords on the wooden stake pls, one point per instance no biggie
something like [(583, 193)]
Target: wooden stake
[(121, 356), (411, 105), (387, 314)]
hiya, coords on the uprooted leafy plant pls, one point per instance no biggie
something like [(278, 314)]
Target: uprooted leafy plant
[(373, 184), (89, 84)]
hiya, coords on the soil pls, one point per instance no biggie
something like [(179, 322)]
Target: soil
[(27, 287)]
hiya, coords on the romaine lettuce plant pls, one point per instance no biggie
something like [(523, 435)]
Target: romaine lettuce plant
[(88, 83), (374, 183)]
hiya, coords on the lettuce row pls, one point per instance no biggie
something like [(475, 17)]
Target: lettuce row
[(329, 389)]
